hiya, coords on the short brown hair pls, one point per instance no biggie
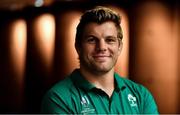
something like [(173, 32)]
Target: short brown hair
[(98, 15)]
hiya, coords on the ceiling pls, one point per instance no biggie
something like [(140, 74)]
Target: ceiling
[(19, 4)]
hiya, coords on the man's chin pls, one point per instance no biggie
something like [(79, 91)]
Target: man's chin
[(99, 70)]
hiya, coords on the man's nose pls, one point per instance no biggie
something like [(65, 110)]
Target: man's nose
[(101, 46)]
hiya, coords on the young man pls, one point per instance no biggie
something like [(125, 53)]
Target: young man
[(95, 88)]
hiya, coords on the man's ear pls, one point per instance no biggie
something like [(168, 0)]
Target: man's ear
[(120, 47)]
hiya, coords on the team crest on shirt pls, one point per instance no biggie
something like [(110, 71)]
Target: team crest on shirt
[(86, 108), (132, 100), (84, 101)]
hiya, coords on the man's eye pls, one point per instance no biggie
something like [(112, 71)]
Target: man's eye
[(91, 40), (110, 40)]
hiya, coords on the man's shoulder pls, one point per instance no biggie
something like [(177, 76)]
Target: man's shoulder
[(61, 87), (59, 95), (64, 84), (140, 94), (132, 85), (66, 87)]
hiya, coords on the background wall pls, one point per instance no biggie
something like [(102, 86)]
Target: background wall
[(37, 50), (155, 52)]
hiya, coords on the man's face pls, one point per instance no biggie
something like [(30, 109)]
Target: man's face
[(100, 47)]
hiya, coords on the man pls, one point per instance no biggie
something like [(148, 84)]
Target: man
[(95, 88)]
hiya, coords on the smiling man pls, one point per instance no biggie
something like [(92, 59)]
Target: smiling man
[(95, 88)]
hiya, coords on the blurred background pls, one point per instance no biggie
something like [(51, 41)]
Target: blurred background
[(37, 48)]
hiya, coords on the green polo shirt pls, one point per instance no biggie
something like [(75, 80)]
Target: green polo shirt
[(75, 95)]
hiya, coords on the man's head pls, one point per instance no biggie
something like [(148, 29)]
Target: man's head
[(98, 15), (99, 40)]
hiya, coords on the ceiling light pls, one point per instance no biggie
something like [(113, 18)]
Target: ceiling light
[(39, 3)]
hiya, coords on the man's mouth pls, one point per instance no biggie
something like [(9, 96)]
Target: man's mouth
[(100, 57)]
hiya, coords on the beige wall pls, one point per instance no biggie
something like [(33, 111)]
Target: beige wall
[(156, 53)]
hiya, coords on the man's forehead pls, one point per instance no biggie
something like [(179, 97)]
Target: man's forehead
[(103, 29)]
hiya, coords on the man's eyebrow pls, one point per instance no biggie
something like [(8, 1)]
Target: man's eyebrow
[(111, 36), (93, 36), (90, 35)]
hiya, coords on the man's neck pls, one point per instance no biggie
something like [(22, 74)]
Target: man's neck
[(104, 81)]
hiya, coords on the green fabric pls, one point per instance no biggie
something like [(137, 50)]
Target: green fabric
[(76, 95)]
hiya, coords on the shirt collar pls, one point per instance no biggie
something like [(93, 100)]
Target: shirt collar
[(120, 85), (81, 82)]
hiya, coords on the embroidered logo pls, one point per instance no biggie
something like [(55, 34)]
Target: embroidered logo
[(86, 106), (84, 101), (132, 100)]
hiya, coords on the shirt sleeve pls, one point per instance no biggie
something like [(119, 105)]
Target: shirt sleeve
[(149, 106)]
